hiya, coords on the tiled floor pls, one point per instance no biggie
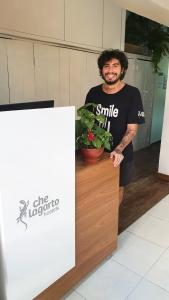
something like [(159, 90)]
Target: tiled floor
[(139, 269)]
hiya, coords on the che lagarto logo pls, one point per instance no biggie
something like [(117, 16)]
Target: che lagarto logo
[(40, 207)]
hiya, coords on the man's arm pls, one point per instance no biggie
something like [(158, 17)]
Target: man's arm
[(116, 154)]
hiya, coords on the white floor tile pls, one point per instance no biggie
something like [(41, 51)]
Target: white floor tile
[(153, 229), (111, 282), (148, 291), (159, 274), (161, 210), (136, 253), (73, 296), (141, 250)]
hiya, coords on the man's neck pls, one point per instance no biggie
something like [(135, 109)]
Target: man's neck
[(113, 88)]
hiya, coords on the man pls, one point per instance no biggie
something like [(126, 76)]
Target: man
[(122, 106)]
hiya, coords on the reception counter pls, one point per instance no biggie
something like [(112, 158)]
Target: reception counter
[(37, 200), (97, 202)]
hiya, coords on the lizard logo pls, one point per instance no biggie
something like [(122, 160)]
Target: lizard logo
[(23, 213), (41, 206)]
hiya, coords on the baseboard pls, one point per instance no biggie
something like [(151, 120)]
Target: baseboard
[(163, 176)]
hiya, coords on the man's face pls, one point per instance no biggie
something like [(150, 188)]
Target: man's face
[(111, 71)]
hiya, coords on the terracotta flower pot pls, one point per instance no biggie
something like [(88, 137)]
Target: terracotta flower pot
[(92, 155)]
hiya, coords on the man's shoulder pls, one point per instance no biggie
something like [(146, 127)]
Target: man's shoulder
[(131, 88), (96, 88), (94, 91), (93, 94)]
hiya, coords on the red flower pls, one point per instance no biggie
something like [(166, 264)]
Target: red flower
[(90, 136)]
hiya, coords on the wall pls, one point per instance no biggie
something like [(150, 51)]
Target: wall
[(164, 150)]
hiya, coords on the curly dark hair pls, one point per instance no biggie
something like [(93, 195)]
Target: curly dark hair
[(109, 54)]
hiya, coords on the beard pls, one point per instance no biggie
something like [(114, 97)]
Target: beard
[(111, 82)]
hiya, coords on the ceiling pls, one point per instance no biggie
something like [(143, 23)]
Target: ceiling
[(151, 9)]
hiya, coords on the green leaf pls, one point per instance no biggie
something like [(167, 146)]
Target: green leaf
[(107, 145), (97, 143), (88, 123), (90, 104), (100, 118)]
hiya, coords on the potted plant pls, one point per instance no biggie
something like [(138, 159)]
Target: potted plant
[(91, 138)]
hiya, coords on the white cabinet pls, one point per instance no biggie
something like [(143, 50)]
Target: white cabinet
[(43, 18), (140, 74), (46, 72), (84, 74), (4, 94), (21, 71), (113, 26), (77, 77), (64, 77), (95, 24), (83, 22), (93, 77), (145, 82), (33, 71)]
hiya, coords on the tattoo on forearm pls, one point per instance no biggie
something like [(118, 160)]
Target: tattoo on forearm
[(129, 135), (118, 151)]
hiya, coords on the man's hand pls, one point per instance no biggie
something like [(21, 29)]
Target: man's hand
[(117, 157), (127, 138)]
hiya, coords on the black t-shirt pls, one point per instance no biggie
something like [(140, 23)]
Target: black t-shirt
[(122, 108)]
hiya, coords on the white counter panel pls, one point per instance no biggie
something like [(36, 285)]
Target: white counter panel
[(37, 199)]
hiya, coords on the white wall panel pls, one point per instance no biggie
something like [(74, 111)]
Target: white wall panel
[(92, 72), (83, 21), (145, 83), (64, 77), (140, 74), (46, 72), (164, 150), (113, 26), (4, 94), (77, 78), (21, 71)]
